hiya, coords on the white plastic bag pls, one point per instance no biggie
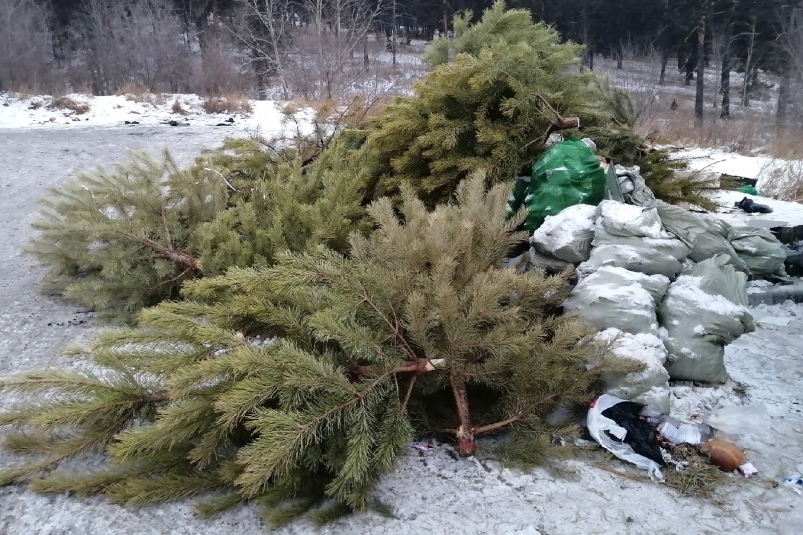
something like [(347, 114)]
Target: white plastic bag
[(740, 419), (598, 424)]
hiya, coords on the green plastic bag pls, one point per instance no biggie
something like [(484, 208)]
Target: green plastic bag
[(568, 173), (747, 188)]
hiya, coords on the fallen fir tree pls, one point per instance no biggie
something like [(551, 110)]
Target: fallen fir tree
[(119, 241), (304, 381)]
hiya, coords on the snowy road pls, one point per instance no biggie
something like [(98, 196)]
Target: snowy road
[(433, 494)]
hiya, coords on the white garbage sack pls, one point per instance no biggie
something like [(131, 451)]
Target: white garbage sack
[(649, 386), (656, 285), (567, 235), (599, 426), (632, 237), (641, 258), (704, 310), (607, 299), (761, 252), (705, 238), (626, 220)]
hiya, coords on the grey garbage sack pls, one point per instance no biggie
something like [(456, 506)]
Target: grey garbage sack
[(567, 235), (633, 186), (632, 237), (705, 238), (704, 310), (649, 386), (618, 298), (761, 252)]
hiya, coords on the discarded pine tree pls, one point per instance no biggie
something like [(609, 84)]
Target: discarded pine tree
[(490, 109), (303, 381), (118, 241)]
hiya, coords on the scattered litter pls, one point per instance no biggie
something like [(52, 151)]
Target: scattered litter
[(723, 454), (642, 434), (748, 470), (423, 447), (751, 207), (793, 482), (623, 442)]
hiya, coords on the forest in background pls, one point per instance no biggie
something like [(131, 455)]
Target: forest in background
[(729, 52)]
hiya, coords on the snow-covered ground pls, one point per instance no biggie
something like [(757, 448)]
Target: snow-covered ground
[(765, 169), (119, 110)]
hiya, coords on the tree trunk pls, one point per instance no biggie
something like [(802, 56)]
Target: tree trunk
[(619, 57), (725, 78), (783, 95), (445, 18), (591, 59), (698, 100), (691, 63), (393, 34), (466, 445), (365, 50), (664, 61)]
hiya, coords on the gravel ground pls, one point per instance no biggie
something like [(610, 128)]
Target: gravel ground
[(431, 492)]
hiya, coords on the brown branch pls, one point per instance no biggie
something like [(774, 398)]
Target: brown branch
[(393, 326), (178, 257), (485, 429), (409, 392), (417, 366)]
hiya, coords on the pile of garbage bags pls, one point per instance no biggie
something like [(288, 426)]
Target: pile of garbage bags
[(667, 284), (664, 286)]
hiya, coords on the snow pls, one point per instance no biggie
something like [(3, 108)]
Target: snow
[(643, 347), (686, 291), (765, 169), (621, 219), (115, 110), (784, 213), (567, 235)]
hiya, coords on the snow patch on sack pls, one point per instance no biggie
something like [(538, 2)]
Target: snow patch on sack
[(567, 235), (627, 220)]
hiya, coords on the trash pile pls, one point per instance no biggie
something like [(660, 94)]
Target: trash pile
[(664, 286), (644, 436)]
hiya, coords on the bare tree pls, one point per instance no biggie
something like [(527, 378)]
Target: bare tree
[(698, 101), (790, 94), (325, 50), (308, 48), (25, 49), (265, 28)]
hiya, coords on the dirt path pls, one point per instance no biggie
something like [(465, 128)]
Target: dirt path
[(431, 494)]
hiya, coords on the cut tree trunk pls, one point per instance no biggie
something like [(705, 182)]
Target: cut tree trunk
[(466, 444)]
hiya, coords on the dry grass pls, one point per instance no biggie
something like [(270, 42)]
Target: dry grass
[(66, 103), (227, 104), (177, 108), (699, 478), (783, 179), (154, 99)]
